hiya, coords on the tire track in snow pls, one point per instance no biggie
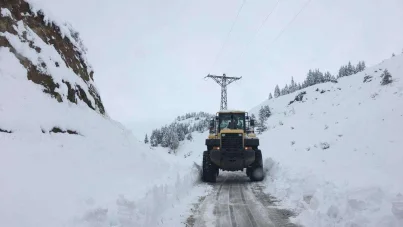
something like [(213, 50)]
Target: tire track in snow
[(218, 206), (231, 207), (237, 202), (251, 218)]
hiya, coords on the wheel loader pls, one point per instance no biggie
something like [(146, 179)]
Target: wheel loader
[(232, 145)]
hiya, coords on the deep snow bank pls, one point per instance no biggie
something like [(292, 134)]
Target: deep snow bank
[(336, 156), (63, 162)]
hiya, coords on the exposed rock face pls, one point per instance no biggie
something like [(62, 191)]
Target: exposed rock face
[(52, 53)]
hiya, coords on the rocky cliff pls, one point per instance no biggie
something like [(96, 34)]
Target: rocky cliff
[(51, 52)]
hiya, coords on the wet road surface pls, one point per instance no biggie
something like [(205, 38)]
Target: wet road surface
[(237, 202)]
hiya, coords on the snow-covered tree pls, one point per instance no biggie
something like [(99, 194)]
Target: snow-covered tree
[(253, 117), (276, 92), (159, 135), (386, 77), (310, 78), (146, 139), (350, 69), (174, 141), (270, 96), (189, 137), (293, 86), (327, 77), (393, 54), (264, 114), (181, 135), (286, 90), (165, 139), (360, 66), (299, 86), (153, 138), (342, 72)]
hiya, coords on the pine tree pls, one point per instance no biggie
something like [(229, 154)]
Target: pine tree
[(350, 69), (270, 96), (146, 139), (253, 117), (327, 77), (393, 54), (310, 78), (342, 72), (181, 135), (276, 91), (286, 90), (174, 141), (293, 86), (159, 136), (361, 66), (189, 137), (166, 139), (153, 138), (264, 114), (386, 77)]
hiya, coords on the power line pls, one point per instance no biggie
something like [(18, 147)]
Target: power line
[(257, 32), (228, 35), (289, 23)]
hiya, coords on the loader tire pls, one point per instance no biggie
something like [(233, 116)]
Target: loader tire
[(256, 172), (209, 169)]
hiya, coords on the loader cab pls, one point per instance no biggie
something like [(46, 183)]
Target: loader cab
[(231, 120)]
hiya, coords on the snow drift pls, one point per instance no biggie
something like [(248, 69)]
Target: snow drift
[(63, 162), (335, 155)]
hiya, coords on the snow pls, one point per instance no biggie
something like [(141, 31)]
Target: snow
[(336, 157), (101, 176), (66, 29), (49, 56), (5, 12)]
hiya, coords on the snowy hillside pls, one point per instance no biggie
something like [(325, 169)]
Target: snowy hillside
[(336, 154), (173, 135), (63, 162)]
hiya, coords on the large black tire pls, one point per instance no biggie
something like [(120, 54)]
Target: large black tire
[(209, 169), (255, 172)]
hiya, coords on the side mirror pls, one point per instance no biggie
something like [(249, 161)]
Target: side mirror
[(211, 123), (252, 122), (216, 118), (247, 117)]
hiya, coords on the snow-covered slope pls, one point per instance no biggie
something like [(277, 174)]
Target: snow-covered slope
[(336, 156), (63, 162), (173, 135)]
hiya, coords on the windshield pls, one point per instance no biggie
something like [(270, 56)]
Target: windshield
[(232, 121)]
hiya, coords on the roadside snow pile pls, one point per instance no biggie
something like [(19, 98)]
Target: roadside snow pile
[(335, 154), (63, 162)]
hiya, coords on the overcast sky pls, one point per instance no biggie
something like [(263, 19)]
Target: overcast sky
[(151, 56)]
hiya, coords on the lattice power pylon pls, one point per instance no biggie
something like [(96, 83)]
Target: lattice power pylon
[(223, 81)]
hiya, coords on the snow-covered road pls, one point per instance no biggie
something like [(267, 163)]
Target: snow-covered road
[(235, 201)]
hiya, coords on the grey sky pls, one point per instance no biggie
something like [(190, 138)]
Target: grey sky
[(150, 57)]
